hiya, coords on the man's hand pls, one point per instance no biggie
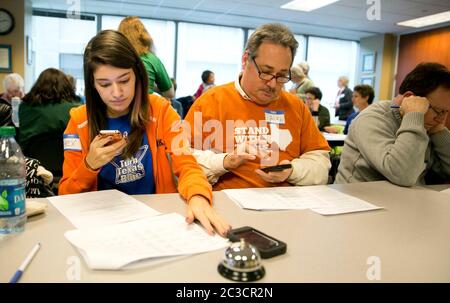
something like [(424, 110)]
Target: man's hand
[(276, 177), (200, 209), (232, 161), (331, 129), (239, 157), (414, 104), (439, 127)]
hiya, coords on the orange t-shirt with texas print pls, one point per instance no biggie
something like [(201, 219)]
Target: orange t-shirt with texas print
[(223, 121)]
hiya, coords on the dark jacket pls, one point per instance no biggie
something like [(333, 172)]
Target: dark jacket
[(345, 104), (5, 111), (323, 116)]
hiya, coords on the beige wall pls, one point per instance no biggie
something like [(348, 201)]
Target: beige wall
[(387, 77), (385, 47), (369, 45), (17, 38)]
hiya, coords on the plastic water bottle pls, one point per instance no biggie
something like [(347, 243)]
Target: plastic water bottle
[(15, 104), (12, 183)]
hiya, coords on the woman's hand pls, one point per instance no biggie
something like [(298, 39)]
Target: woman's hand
[(200, 209), (100, 153)]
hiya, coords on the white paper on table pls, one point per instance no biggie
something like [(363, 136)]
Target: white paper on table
[(446, 191), (334, 137), (101, 208), (320, 199), (273, 198), (338, 203), (113, 247)]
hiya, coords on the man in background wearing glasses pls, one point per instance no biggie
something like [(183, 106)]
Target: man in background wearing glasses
[(404, 141), (240, 127)]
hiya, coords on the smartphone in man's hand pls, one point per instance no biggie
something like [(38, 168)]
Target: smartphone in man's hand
[(276, 168)]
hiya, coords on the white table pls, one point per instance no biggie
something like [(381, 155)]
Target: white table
[(410, 237)]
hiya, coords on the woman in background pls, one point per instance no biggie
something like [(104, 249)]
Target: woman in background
[(363, 96), (301, 82), (45, 109), (343, 105), (135, 31)]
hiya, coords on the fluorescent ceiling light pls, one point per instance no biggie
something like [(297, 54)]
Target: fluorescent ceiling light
[(307, 5), (428, 20)]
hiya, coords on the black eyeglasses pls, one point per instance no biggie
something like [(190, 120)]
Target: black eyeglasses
[(439, 113), (268, 77)]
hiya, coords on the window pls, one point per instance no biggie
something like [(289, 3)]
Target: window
[(327, 66), (162, 33), (72, 64), (207, 47), (64, 47)]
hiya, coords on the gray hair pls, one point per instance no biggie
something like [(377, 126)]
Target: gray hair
[(344, 80), (274, 33), (304, 66), (297, 71), (13, 80)]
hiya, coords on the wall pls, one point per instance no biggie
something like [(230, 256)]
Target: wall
[(432, 45), (387, 77), (17, 38), (384, 47)]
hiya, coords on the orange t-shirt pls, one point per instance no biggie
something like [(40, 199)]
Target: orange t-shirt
[(229, 121)]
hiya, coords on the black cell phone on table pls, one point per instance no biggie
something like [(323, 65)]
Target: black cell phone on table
[(276, 168), (267, 246)]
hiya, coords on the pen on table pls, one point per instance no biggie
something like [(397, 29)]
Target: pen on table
[(25, 263)]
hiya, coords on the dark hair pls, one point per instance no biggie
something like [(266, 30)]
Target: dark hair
[(425, 78), (110, 47), (51, 87), (205, 75), (314, 91), (365, 91)]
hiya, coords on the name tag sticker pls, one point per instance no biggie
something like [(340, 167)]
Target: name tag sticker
[(72, 142), (274, 116)]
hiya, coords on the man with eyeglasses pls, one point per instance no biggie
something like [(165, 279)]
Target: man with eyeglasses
[(252, 123), (405, 140)]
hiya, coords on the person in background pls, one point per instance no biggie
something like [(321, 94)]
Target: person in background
[(147, 159), (363, 96), (405, 140), (319, 112), (45, 108), (13, 86), (305, 68), (135, 31), (301, 82), (343, 105), (207, 82), (269, 125)]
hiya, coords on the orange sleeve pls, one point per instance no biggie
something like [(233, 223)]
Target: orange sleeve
[(76, 177), (191, 179)]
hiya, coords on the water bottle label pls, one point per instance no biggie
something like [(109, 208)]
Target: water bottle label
[(12, 200)]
